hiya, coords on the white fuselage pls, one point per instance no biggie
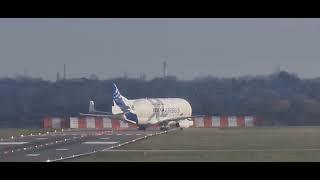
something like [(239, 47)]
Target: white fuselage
[(155, 110)]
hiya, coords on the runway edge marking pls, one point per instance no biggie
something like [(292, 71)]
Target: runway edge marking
[(112, 147)]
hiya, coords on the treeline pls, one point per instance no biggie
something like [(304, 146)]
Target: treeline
[(280, 98)]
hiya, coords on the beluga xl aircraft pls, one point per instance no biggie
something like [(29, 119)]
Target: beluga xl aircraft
[(147, 111)]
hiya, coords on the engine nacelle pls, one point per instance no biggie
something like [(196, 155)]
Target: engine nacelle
[(171, 123), (182, 123), (185, 123)]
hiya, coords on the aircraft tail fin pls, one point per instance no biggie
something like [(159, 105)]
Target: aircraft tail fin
[(120, 100), (124, 104)]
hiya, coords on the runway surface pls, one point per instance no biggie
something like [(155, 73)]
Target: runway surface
[(61, 145)]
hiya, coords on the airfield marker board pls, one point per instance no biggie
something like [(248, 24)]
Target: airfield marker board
[(98, 123), (198, 121), (248, 121), (82, 123), (224, 121), (115, 124), (207, 122), (215, 121), (107, 123), (56, 123), (240, 121), (232, 121), (74, 122), (91, 122)]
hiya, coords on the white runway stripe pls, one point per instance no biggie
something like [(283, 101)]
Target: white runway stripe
[(41, 138), (32, 155), (62, 149), (12, 143), (99, 142)]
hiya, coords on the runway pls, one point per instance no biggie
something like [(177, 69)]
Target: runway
[(61, 145)]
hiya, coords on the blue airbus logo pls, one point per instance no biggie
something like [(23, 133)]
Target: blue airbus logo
[(117, 97)]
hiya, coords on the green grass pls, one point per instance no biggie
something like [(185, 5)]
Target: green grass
[(199, 157), (234, 144), (8, 132)]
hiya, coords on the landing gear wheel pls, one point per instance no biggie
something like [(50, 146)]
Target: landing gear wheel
[(177, 125), (163, 128)]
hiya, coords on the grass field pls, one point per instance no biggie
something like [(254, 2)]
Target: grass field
[(8, 132), (234, 144)]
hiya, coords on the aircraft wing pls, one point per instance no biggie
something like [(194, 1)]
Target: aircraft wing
[(102, 112), (92, 109), (180, 118), (98, 115), (111, 116)]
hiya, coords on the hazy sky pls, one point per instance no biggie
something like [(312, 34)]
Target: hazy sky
[(192, 47)]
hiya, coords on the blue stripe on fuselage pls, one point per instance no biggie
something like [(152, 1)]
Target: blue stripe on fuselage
[(131, 116)]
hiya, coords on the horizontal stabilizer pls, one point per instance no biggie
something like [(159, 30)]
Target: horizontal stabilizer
[(93, 110), (120, 117), (180, 118)]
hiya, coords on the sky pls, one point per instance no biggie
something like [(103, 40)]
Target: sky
[(192, 47)]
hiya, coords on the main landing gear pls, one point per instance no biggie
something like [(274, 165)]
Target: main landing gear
[(164, 128), (178, 125)]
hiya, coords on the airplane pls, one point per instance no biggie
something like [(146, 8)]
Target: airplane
[(146, 111)]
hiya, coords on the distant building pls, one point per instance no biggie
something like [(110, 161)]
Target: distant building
[(164, 69), (58, 77)]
